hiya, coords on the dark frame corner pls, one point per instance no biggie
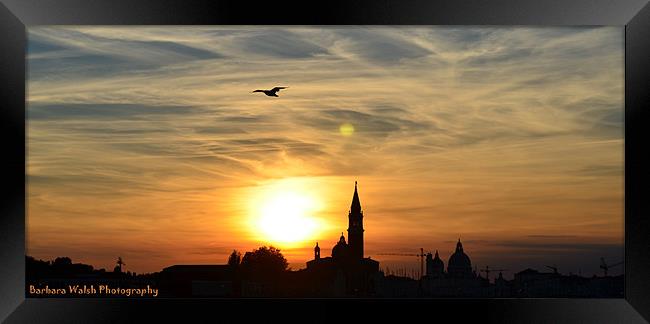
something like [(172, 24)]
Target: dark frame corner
[(634, 15)]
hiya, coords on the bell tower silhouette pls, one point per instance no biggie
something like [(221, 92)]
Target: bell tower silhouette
[(355, 227)]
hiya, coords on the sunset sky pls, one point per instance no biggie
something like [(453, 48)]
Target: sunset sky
[(147, 143)]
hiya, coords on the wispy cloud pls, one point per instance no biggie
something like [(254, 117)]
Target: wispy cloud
[(472, 130)]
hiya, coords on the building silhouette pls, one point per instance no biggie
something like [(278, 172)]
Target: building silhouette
[(460, 280), (459, 265), (355, 227), (200, 280), (346, 272)]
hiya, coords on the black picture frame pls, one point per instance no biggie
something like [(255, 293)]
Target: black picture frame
[(633, 15)]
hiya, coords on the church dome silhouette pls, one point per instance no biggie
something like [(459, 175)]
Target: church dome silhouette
[(459, 260), (459, 264), (340, 250)]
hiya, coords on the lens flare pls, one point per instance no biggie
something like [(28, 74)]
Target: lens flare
[(346, 129)]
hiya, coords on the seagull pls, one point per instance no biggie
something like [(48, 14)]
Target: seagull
[(271, 93)]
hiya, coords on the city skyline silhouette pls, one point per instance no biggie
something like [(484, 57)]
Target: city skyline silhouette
[(347, 272)]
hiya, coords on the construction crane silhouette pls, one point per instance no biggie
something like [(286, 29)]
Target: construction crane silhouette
[(487, 271), (421, 255), (605, 266)]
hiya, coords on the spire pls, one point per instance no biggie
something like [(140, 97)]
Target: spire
[(355, 208), (437, 257), (459, 246)]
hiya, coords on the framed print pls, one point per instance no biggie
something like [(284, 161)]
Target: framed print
[(376, 156)]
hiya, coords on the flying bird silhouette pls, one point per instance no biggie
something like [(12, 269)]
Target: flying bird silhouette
[(271, 93)]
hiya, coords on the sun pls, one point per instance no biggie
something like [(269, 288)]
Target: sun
[(285, 213), (285, 217)]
